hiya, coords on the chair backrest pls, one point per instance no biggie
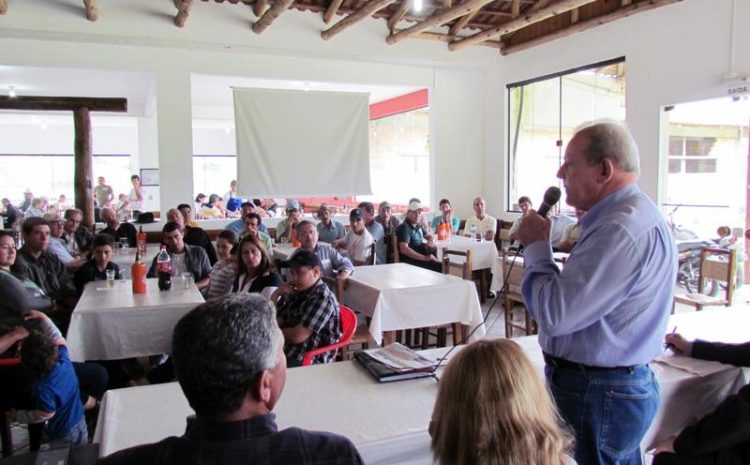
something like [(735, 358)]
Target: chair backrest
[(461, 266), (348, 327), (719, 265), (394, 242), (512, 285)]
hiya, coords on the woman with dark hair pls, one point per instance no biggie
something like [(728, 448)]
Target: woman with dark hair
[(492, 408), (255, 271), (224, 271)]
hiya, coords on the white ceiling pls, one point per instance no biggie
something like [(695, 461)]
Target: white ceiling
[(139, 88)]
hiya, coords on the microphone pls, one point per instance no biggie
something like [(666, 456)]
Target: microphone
[(551, 197)]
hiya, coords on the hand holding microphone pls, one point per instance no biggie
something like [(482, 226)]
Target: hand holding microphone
[(535, 228)]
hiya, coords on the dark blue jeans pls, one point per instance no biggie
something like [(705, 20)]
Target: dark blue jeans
[(608, 410)]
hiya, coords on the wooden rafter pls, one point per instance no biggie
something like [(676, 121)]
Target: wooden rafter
[(574, 13), (462, 22), (399, 14), (333, 7), (92, 12), (260, 7), (183, 11), (515, 9), (450, 37), (447, 3), (279, 6), (3, 7), (448, 15), (519, 23), (355, 17), (63, 103), (588, 24)]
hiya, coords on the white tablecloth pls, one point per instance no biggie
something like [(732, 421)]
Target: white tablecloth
[(483, 254), (113, 323), (401, 296), (124, 258), (387, 422)]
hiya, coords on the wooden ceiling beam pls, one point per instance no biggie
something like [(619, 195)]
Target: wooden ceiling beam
[(92, 12), (519, 23), (515, 9), (63, 103), (333, 7), (279, 6), (260, 7), (462, 22), (357, 16), (399, 14), (448, 15), (450, 37), (588, 24), (183, 11), (3, 7)]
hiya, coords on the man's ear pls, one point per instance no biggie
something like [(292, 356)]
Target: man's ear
[(607, 170), (262, 387), (318, 272)]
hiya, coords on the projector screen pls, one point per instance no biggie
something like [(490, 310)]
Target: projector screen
[(301, 144)]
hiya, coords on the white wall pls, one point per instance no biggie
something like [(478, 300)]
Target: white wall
[(675, 53)]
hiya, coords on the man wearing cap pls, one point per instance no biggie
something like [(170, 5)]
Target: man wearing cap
[(308, 313), (375, 229), (238, 225), (286, 227), (358, 241), (57, 246), (414, 245), (486, 225), (329, 230)]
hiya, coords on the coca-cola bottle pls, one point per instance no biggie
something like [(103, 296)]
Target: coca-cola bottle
[(164, 269)]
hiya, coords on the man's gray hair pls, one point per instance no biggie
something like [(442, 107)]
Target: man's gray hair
[(609, 139), (221, 346)]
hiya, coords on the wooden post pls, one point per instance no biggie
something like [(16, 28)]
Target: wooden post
[(92, 12), (279, 6), (3, 7), (82, 184)]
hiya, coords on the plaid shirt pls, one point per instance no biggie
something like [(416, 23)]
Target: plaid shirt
[(256, 440), (317, 310)]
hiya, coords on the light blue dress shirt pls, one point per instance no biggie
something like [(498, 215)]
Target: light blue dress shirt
[(610, 304)]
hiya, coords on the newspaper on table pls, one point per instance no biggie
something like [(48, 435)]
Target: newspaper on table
[(400, 357)]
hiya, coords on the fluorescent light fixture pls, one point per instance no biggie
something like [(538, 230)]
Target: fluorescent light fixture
[(418, 5), (12, 92)]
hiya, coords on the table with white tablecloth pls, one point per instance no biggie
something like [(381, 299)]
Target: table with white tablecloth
[(483, 253), (125, 257), (110, 322), (402, 296), (387, 422)]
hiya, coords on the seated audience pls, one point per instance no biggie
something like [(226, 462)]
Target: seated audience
[(334, 265), (55, 386), (187, 214), (358, 241), (722, 436), (77, 238), (10, 215), (414, 246), (255, 271), (238, 225), (116, 229), (193, 235), (285, 229), (19, 295), (389, 223), (57, 246), (253, 228), (96, 268), (267, 208), (486, 225), (230, 364), (37, 208), (28, 196), (446, 216), (213, 209), (200, 199), (524, 203), (557, 230), (225, 270), (492, 408), (375, 230), (308, 312), (329, 230), (572, 233), (184, 257)]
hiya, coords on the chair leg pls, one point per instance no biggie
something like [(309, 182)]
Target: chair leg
[(442, 337), (508, 319), (5, 435), (35, 436)]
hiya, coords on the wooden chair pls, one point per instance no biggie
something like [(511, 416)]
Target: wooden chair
[(511, 297), (719, 265)]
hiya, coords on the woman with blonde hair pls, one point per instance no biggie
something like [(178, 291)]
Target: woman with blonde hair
[(493, 409)]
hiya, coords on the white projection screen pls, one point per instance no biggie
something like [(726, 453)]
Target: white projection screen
[(301, 144)]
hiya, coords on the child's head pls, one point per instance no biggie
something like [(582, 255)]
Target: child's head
[(39, 354), (103, 245), (306, 269)]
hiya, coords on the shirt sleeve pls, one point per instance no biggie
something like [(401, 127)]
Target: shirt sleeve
[(317, 312), (339, 262), (402, 233)]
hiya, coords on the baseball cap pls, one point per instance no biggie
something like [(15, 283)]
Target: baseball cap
[(355, 214), (384, 204), (415, 205), (302, 258), (292, 204)]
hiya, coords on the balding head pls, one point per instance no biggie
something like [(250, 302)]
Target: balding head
[(610, 140)]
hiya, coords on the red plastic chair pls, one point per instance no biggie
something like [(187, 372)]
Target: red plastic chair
[(348, 327)]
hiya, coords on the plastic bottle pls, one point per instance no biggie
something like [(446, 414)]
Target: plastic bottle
[(140, 240), (138, 272), (473, 231), (442, 231), (164, 269)]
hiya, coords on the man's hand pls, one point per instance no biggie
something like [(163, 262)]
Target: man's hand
[(282, 290), (678, 344), (34, 315), (666, 445), (533, 228)]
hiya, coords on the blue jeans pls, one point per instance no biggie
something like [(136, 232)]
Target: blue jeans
[(78, 434), (608, 410)]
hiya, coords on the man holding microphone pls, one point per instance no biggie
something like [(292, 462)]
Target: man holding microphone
[(603, 317)]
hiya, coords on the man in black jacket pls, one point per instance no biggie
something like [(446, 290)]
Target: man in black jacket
[(722, 436)]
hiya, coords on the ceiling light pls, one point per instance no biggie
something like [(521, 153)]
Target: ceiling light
[(12, 92), (418, 5)]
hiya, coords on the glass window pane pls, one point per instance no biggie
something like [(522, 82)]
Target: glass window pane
[(675, 165), (676, 146), (698, 146), (700, 166)]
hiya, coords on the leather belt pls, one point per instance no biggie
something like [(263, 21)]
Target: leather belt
[(567, 364)]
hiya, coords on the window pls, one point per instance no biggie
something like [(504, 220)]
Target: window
[(691, 154), (213, 173), (543, 114)]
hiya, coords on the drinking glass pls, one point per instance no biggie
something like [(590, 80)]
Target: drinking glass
[(187, 278), (110, 277)]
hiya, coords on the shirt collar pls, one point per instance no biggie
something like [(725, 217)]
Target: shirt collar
[(607, 203), (260, 425)]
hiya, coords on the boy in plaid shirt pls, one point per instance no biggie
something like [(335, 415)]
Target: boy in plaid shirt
[(307, 310)]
